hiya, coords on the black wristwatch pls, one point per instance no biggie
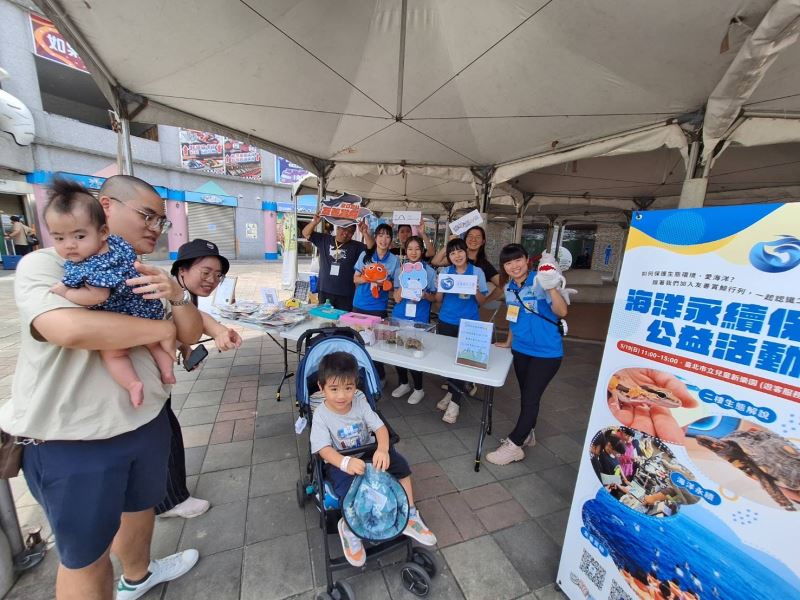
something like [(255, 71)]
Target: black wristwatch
[(187, 299)]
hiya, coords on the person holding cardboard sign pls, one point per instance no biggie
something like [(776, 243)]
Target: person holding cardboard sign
[(454, 308), (535, 307), (337, 258)]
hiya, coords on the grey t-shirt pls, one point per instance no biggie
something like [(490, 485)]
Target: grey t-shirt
[(347, 431), (345, 256)]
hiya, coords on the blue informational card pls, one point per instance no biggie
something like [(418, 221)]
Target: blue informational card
[(474, 343)]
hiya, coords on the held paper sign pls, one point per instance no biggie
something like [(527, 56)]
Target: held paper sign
[(470, 219), (474, 343), (406, 217), (457, 284)]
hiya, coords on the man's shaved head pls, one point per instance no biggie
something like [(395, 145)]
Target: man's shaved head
[(123, 187)]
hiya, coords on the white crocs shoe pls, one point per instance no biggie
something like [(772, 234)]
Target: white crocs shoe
[(444, 402), (188, 509), (401, 390), (416, 397), (451, 414), (161, 570)]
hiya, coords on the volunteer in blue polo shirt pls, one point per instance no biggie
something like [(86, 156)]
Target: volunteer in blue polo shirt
[(534, 309), (454, 308), (363, 300)]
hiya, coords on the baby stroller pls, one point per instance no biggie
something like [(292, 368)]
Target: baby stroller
[(421, 564)]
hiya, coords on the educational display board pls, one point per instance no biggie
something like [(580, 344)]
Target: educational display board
[(689, 482)]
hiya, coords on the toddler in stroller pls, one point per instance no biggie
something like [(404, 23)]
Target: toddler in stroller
[(347, 433), (343, 421)]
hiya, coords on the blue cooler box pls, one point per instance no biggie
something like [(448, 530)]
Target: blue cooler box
[(10, 262)]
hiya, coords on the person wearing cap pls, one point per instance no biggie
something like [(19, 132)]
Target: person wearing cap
[(199, 269), (338, 255)]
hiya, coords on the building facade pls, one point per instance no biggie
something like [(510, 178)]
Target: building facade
[(232, 203)]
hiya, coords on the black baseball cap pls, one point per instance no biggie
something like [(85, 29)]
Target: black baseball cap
[(198, 248)]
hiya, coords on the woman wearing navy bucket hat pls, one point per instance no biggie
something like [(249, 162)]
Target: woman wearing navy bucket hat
[(199, 269)]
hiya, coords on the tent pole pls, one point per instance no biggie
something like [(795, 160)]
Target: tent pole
[(693, 192)]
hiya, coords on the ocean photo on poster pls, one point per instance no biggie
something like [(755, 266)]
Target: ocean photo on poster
[(703, 558)]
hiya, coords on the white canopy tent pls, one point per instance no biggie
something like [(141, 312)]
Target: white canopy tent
[(556, 107)]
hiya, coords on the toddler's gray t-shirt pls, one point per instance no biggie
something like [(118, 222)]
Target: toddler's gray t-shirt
[(347, 431)]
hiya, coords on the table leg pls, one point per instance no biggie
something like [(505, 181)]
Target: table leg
[(486, 419), (286, 373)]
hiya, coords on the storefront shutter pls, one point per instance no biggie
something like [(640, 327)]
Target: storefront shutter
[(215, 224)]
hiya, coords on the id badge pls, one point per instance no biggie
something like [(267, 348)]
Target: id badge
[(512, 314), (334, 270), (411, 309)]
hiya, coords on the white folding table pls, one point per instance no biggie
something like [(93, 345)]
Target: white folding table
[(439, 359)]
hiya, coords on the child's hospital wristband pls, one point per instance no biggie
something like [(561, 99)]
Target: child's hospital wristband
[(344, 463)]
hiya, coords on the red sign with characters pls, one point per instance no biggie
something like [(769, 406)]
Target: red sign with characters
[(50, 44)]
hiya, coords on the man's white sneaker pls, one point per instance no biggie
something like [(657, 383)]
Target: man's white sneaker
[(161, 570), (401, 390), (188, 509), (508, 452), (444, 402), (416, 397), (451, 414)]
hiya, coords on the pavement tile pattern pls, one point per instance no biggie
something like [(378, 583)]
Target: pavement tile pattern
[(500, 530)]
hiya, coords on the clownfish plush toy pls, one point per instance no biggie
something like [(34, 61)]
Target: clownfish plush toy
[(378, 277)]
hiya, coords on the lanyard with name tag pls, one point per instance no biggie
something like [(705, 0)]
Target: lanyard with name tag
[(411, 309), (334, 270)]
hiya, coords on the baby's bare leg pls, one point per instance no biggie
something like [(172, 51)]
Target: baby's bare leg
[(120, 367), (165, 362)]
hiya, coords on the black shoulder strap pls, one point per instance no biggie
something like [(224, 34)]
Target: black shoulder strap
[(533, 312)]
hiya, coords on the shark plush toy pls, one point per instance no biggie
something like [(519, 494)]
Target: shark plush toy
[(548, 277)]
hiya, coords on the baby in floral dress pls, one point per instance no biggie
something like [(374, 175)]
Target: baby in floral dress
[(95, 270)]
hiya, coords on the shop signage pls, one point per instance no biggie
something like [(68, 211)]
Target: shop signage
[(287, 172), (690, 471), (50, 44), (217, 199), (212, 153)]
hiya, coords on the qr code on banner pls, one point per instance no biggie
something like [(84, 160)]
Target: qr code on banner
[(593, 570), (617, 593)]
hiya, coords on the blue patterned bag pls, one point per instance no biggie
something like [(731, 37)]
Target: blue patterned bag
[(376, 506)]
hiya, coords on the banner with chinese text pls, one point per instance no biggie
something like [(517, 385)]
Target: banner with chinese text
[(212, 153), (50, 44), (287, 172), (689, 482)]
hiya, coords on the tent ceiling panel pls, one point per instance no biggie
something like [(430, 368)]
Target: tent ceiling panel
[(742, 168), (656, 173), (780, 89)]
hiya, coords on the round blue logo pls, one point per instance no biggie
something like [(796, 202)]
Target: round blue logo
[(447, 283), (778, 256)]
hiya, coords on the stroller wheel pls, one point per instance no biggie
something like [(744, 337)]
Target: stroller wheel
[(343, 591), (324, 596), (425, 559), (415, 579), (302, 496)]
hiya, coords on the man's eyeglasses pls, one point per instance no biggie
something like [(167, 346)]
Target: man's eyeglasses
[(152, 221)]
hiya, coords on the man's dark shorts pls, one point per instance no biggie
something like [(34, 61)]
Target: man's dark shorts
[(84, 487), (341, 481)]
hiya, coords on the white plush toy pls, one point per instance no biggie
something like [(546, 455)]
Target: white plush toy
[(549, 276)]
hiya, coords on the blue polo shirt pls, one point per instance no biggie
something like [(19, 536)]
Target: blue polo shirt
[(427, 281), (532, 335), (455, 307), (363, 298)]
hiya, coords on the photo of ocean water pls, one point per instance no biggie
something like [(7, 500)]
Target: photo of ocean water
[(694, 548)]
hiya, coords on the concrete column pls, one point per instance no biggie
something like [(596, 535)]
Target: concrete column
[(177, 213), (270, 230), (693, 193), (40, 199)]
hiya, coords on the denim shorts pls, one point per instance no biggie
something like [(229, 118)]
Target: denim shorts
[(341, 481), (85, 486)]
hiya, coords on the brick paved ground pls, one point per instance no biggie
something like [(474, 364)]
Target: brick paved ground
[(500, 530)]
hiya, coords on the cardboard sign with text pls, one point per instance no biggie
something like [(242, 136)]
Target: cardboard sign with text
[(471, 219)]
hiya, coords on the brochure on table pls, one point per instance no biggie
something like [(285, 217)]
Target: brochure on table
[(699, 385), (226, 292), (474, 343)]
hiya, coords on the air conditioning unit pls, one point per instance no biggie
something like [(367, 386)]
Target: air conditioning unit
[(15, 118)]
